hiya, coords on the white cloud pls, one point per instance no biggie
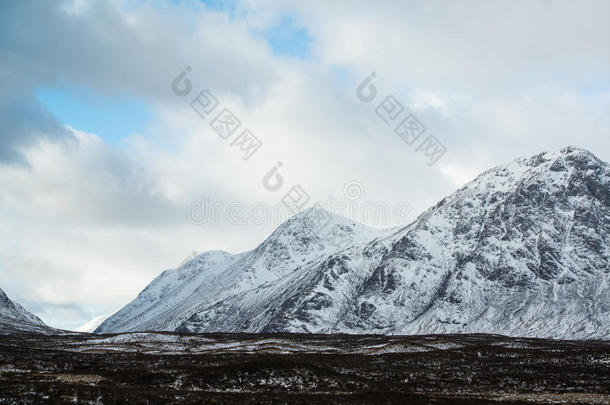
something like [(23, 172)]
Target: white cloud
[(89, 224)]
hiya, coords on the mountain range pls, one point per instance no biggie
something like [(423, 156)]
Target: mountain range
[(522, 250)]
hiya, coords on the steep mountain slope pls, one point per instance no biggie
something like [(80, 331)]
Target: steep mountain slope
[(15, 318), (521, 250), (213, 276)]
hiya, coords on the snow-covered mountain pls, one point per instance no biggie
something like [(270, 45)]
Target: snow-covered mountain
[(15, 318), (522, 250), (92, 325), (170, 299)]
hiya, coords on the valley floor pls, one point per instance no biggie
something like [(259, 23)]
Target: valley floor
[(161, 368)]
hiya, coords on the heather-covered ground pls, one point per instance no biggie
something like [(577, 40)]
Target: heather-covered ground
[(238, 368)]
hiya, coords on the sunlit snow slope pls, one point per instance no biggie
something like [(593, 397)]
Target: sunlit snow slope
[(522, 250), (169, 300)]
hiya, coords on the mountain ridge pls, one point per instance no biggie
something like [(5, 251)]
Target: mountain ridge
[(520, 250), (291, 245)]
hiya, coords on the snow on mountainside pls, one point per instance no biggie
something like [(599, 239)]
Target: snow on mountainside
[(212, 276), (522, 250), (92, 324), (15, 318)]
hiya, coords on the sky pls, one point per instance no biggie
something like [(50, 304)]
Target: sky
[(110, 163)]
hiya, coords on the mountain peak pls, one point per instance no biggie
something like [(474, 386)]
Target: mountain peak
[(521, 250), (317, 230), (5, 302), (318, 213), (302, 239), (574, 149), (513, 250), (561, 168), (573, 155)]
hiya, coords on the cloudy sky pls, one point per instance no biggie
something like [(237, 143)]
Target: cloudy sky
[(104, 169)]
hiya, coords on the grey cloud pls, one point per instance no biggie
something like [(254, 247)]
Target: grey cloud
[(89, 208), (102, 47), (70, 314), (98, 47), (21, 122)]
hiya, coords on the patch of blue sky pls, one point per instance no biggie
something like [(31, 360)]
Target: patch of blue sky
[(343, 76), (288, 38), (111, 118), (223, 5), (226, 6)]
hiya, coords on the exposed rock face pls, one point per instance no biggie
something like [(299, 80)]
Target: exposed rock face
[(522, 250)]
